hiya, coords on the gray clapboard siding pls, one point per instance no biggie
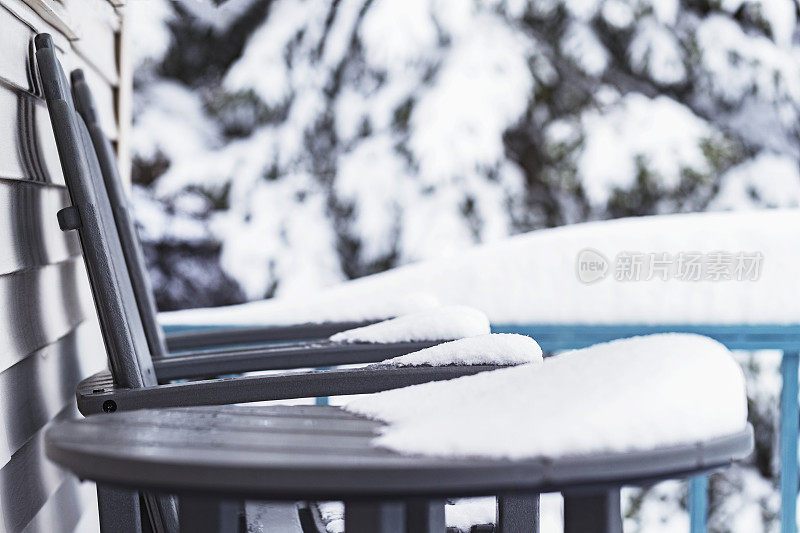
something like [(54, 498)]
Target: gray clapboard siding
[(49, 337), (38, 307), (28, 238), (28, 480), (63, 510), (37, 388), (27, 146)]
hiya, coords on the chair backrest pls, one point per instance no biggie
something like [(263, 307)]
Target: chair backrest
[(121, 324), (129, 239)]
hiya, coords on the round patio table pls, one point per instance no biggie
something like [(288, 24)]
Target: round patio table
[(227, 453)]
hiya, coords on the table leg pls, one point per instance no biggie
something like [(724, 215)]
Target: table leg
[(425, 516), (120, 510), (790, 419), (518, 513), (199, 514), (593, 512), (374, 517)]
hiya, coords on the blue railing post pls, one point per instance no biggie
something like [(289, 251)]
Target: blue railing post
[(789, 420), (322, 400), (698, 504)]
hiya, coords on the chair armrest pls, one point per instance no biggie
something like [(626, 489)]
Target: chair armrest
[(99, 393), (305, 355), (236, 335)]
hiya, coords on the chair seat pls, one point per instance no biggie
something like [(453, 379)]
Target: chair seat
[(324, 452)]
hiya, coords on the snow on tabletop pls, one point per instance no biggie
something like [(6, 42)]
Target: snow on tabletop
[(319, 308), (631, 394), (488, 349), (438, 324)]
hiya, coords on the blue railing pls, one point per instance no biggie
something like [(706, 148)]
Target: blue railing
[(736, 337)]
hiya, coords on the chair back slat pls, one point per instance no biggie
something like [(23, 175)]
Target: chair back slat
[(129, 239), (123, 332)]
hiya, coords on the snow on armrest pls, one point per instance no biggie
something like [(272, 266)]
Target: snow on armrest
[(488, 349), (631, 394), (440, 324)]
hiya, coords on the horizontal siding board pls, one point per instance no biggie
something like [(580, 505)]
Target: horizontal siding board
[(15, 42), (29, 479), (40, 306), (92, 23), (29, 232), (14, 13), (28, 149), (97, 23), (37, 388), (89, 25), (62, 512), (55, 14), (96, 55)]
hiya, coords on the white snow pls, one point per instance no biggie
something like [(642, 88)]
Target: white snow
[(488, 349), (317, 309), (659, 133), (767, 180), (151, 37), (656, 51), (739, 65), (417, 175), (632, 394), (467, 512), (617, 13), (438, 324), (531, 278), (581, 45)]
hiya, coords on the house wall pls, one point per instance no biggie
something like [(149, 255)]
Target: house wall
[(49, 338)]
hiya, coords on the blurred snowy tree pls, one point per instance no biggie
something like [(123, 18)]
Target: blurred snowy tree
[(315, 141), (285, 145)]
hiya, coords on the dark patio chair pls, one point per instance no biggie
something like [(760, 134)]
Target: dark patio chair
[(196, 338), (207, 362), (135, 373)]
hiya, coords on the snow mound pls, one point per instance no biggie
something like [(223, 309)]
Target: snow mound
[(631, 394), (531, 278), (439, 324), (488, 349), (324, 307)]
